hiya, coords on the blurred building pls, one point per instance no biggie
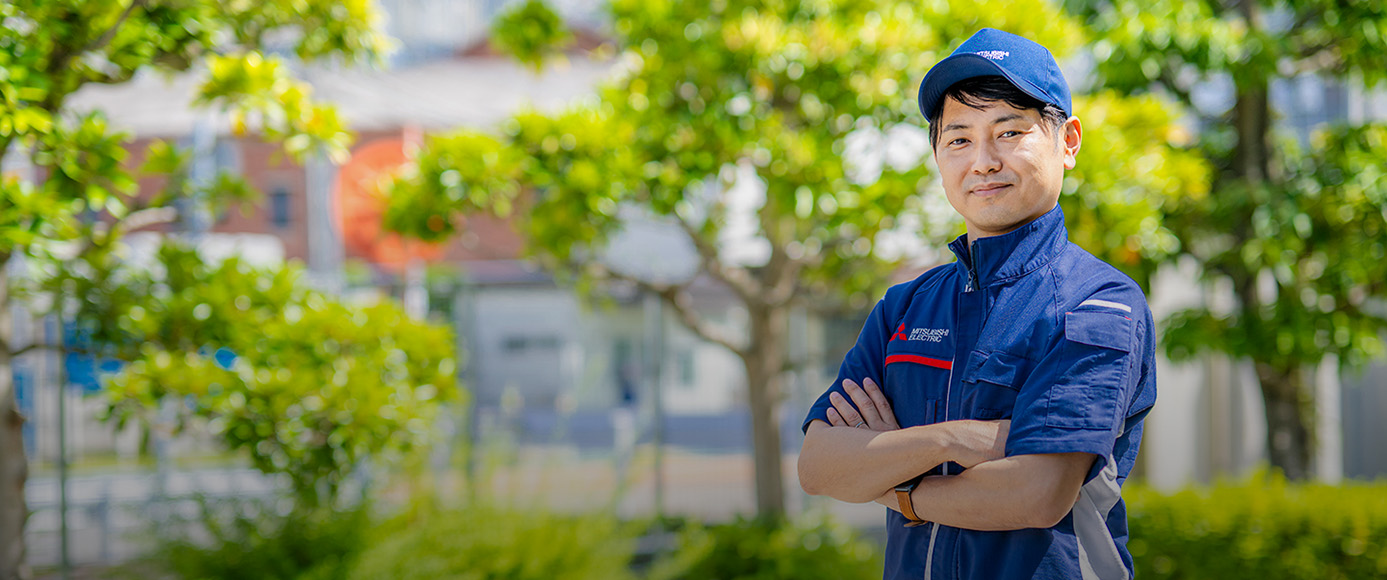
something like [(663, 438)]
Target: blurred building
[(327, 218), (539, 355)]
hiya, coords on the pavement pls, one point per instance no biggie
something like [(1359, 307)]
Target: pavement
[(110, 515), (708, 486)]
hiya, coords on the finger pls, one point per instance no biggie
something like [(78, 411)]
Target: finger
[(865, 406), (850, 415), (835, 419), (888, 416)]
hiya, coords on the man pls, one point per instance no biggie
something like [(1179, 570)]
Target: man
[(995, 404)]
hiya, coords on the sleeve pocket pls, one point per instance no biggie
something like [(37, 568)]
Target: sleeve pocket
[(1101, 329), (1081, 407), (1090, 394)]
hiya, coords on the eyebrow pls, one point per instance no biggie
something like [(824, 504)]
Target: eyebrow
[(997, 121)]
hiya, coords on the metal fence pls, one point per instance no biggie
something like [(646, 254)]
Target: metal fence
[(114, 517)]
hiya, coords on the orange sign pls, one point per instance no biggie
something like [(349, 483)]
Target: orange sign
[(362, 206)]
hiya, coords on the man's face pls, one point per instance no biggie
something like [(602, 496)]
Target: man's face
[(1001, 166)]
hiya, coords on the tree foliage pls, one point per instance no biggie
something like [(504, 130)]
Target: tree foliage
[(82, 196), (304, 384), (531, 32), (814, 103), (1296, 228)]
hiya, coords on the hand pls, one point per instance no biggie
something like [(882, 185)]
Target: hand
[(875, 411), (974, 442)]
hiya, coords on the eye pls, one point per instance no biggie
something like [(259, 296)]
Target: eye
[(1010, 133), (958, 141)]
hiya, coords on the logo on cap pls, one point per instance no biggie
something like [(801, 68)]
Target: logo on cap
[(993, 54)]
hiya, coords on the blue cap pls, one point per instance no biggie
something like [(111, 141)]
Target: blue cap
[(991, 52)]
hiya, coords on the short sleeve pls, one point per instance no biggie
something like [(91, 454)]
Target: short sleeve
[(867, 359), (1077, 397)]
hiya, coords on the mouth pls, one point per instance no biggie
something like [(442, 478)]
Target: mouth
[(989, 189)]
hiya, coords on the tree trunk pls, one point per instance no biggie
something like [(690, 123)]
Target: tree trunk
[(1252, 117), (765, 362), (13, 465), (1288, 406), (1285, 397), (1284, 393)]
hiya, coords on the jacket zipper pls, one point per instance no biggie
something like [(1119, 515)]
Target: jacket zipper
[(972, 270), (934, 526)]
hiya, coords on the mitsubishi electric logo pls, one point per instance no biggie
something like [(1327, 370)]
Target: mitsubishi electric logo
[(925, 334), (929, 334), (993, 54)]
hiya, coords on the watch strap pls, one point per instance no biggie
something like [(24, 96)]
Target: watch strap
[(907, 507)]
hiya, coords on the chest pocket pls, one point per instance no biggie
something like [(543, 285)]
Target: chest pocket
[(990, 385)]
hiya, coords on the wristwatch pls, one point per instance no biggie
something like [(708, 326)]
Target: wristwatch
[(907, 509)]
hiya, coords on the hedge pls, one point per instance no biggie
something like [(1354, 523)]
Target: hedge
[(482, 542), (748, 549), (1263, 528)]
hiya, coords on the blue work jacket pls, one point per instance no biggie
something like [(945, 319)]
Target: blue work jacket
[(1029, 327)]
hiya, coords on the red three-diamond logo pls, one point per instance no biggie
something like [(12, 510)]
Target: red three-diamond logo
[(900, 334)]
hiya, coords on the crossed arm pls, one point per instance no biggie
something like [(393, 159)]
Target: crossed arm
[(860, 456)]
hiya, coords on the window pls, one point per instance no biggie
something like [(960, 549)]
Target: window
[(686, 368), (279, 207), (227, 156), (520, 344)]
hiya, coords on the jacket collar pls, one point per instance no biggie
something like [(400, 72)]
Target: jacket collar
[(1016, 253)]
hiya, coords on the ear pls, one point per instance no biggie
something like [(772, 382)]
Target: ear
[(1072, 136)]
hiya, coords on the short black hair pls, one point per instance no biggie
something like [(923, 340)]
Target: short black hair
[(978, 92)]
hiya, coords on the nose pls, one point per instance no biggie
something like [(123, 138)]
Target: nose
[(985, 159)]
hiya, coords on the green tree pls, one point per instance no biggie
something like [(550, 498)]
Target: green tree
[(49, 49), (784, 90), (1298, 233), (302, 383)]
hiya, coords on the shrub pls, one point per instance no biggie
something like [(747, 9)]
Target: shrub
[(251, 541), (488, 543), (1265, 529), (757, 549)]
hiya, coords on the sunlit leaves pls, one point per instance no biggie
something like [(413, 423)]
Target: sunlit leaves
[(22, 206), (1316, 244), (465, 172), (258, 89), (1136, 162), (85, 158), (306, 385), (1301, 247), (531, 33), (784, 88), (51, 48)]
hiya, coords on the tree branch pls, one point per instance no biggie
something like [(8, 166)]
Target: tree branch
[(1318, 57), (106, 37), (784, 283), (35, 347), (738, 279), (677, 297), (61, 60), (781, 269), (1305, 19), (147, 217)]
